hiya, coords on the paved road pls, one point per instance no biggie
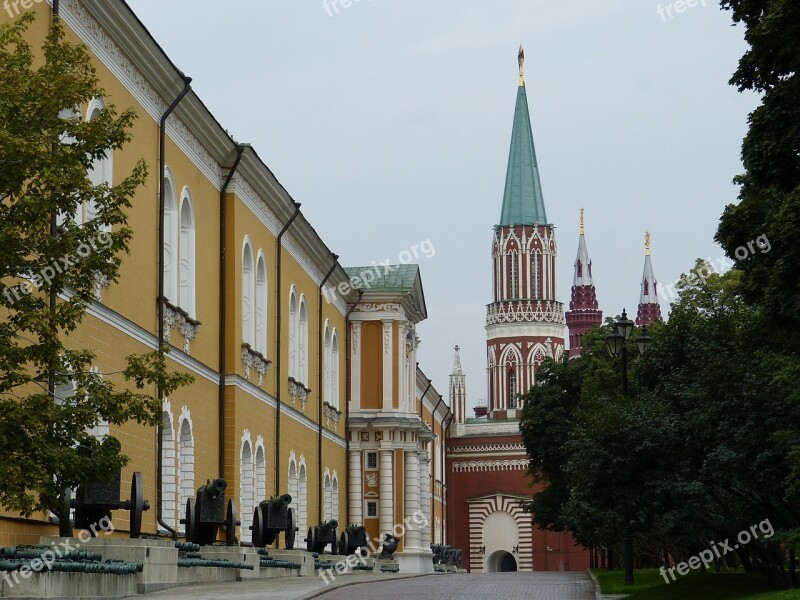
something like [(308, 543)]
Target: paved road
[(494, 586)]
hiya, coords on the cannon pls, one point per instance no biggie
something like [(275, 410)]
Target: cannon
[(389, 546), (354, 539), (322, 535), (94, 502), (452, 557), (438, 553), (270, 518), (206, 514)]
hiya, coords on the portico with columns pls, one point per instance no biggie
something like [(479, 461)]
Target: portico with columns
[(390, 433)]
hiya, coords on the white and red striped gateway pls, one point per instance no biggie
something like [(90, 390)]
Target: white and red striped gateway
[(486, 459)]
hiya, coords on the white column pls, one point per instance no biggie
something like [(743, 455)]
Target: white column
[(386, 490), (401, 366), (355, 365), (356, 496), (387, 365), (412, 499), (425, 497)]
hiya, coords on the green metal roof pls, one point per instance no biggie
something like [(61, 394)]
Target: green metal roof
[(523, 202), (385, 278)]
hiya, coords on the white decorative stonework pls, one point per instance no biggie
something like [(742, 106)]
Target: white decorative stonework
[(388, 307), (298, 391), (331, 414), (489, 448), (254, 360), (473, 466), (100, 282), (525, 312), (387, 338), (372, 479), (175, 317), (188, 328)]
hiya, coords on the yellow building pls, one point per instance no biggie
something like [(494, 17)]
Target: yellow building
[(225, 269), (239, 271), (397, 420)]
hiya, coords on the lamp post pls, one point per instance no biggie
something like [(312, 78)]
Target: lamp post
[(615, 344)]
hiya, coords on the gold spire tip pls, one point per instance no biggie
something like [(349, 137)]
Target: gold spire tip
[(521, 61), (581, 221), (647, 243)]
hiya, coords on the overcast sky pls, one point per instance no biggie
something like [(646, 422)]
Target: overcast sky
[(391, 121)]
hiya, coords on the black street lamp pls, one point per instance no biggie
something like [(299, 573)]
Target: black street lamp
[(615, 344)]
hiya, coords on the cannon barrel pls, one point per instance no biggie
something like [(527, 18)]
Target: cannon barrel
[(214, 488), (280, 501), (328, 525)]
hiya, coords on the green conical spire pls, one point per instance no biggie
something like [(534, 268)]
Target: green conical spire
[(523, 202)]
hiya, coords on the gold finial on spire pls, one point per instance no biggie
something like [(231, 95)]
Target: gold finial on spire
[(647, 243), (521, 60), (581, 221)]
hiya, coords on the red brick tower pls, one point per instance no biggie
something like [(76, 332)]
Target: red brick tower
[(583, 311), (487, 464), (649, 308)]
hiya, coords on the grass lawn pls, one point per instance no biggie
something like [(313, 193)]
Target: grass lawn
[(650, 585)]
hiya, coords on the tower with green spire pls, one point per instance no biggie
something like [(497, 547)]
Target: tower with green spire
[(524, 322)]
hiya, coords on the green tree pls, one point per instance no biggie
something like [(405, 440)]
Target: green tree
[(50, 264), (770, 188)]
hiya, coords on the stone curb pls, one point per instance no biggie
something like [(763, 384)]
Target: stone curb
[(336, 586), (598, 594)]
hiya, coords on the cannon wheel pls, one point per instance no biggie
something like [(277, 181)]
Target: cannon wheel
[(344, 543), (311, 540), (335, 543), (189, 521), (230, 524), (291, 529), (257, 528), (137, 505), (64, 522)]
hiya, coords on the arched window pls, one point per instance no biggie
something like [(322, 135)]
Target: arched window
[(293, 334), (261, 472), (295, 493), (328, 498), (302, 342), (246, 477), (535, 275), (512, 276), (247, 293), (185, 460), (261, 305), (335, 496), (186, 257), (327, 395), (579, 267), (170, 238), (302, 503), (512, 388), (169, 473), (334, 401), (101, 170)]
